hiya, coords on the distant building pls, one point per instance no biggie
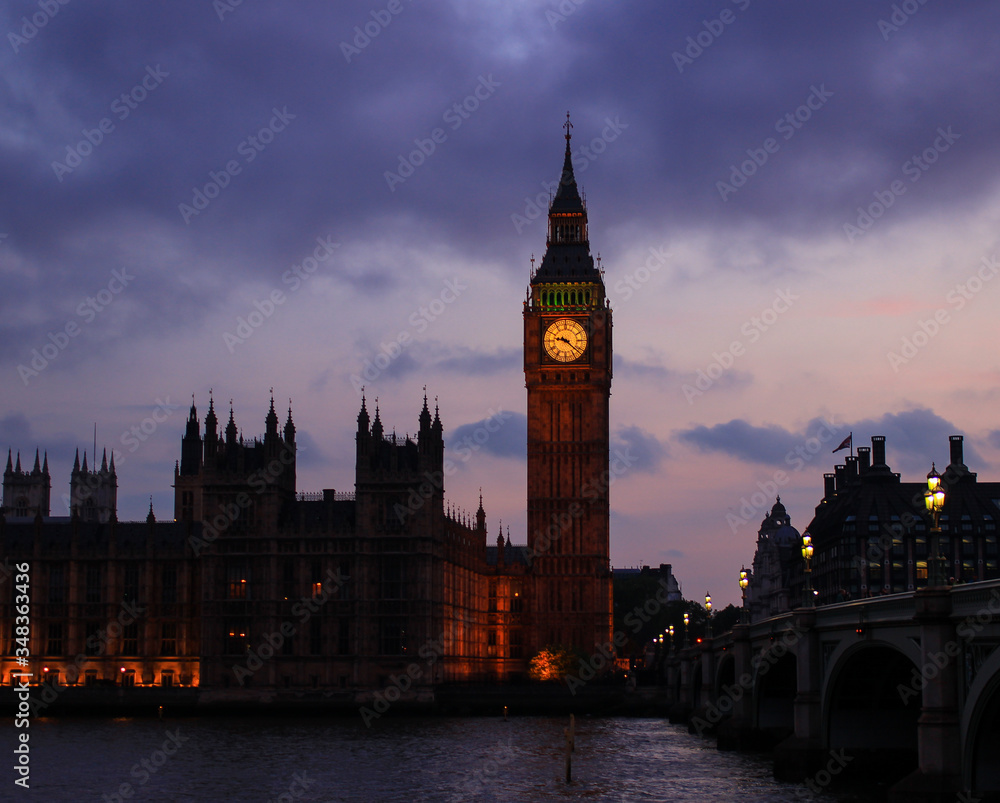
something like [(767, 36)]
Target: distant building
[(871, 534), (871, 531), (664, 572), (777, 566), (256, 584)]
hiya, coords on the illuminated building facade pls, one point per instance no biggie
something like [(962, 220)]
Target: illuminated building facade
[(256, 585)]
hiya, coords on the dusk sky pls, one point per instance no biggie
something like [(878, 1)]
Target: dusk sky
[(796, 205)]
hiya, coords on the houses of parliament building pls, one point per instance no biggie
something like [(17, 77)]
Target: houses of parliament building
[(253, 585)]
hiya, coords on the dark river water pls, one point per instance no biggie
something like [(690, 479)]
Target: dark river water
[(404, 759)]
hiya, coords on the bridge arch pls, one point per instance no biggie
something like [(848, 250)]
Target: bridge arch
[(872, 699), (725, 674), (775, 687), (981, 728)]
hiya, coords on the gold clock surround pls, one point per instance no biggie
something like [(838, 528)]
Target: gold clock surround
[(565, 340)]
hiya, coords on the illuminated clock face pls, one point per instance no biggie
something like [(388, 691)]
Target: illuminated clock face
[(565, 340)]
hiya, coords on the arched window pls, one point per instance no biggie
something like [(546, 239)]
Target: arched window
[(21, 506)]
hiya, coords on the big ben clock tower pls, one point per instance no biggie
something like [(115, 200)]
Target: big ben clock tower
[(567, 371)]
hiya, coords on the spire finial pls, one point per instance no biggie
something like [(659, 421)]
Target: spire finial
[(568, 126)]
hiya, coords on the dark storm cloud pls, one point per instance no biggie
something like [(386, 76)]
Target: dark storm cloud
[(502, 434), (642, 450), (913, 439), (17, 435), (263, 111)]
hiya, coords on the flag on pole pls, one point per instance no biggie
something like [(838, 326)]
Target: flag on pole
[(847, 443)]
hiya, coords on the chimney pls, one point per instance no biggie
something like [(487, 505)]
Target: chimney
[(864, 460), (829, 486), (878, 451), (841, 480), (956, 450), (851, 469)]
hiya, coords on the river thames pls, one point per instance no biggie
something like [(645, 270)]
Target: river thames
[(397, 759)]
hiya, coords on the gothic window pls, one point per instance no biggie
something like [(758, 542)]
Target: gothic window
[(21, 506), (168, 638), (55, 641), (393, 585), (57, 583), (392, 637), (130, 582), (130, 639), (168, 589), (92, 592), (492, 599), (316, 636), (236, 637), (237, 582)]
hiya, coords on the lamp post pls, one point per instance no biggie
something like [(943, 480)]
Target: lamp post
[(670, 630), (934, 500), (687, 621), (744, 582), (708, 615), (808, 598)]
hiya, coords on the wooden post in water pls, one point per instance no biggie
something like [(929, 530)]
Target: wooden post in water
[(569, 759), (570, 734)]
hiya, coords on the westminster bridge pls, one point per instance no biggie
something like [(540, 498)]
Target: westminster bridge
[(905, 683)]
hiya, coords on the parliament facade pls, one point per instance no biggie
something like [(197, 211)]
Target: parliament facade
[(255, 585)]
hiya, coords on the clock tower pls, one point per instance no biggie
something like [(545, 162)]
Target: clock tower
[(567, 371)]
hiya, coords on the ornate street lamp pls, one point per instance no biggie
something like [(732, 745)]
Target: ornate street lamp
[(744, 582), (708, 615), (687, 621), (670, 630), (934, 500), (808, 600)]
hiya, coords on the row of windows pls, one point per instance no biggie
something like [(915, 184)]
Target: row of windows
[(566, 298), (96, 640), (238, 639), (91, 677)]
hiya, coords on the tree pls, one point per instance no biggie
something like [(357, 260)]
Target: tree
[(553, 662)]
